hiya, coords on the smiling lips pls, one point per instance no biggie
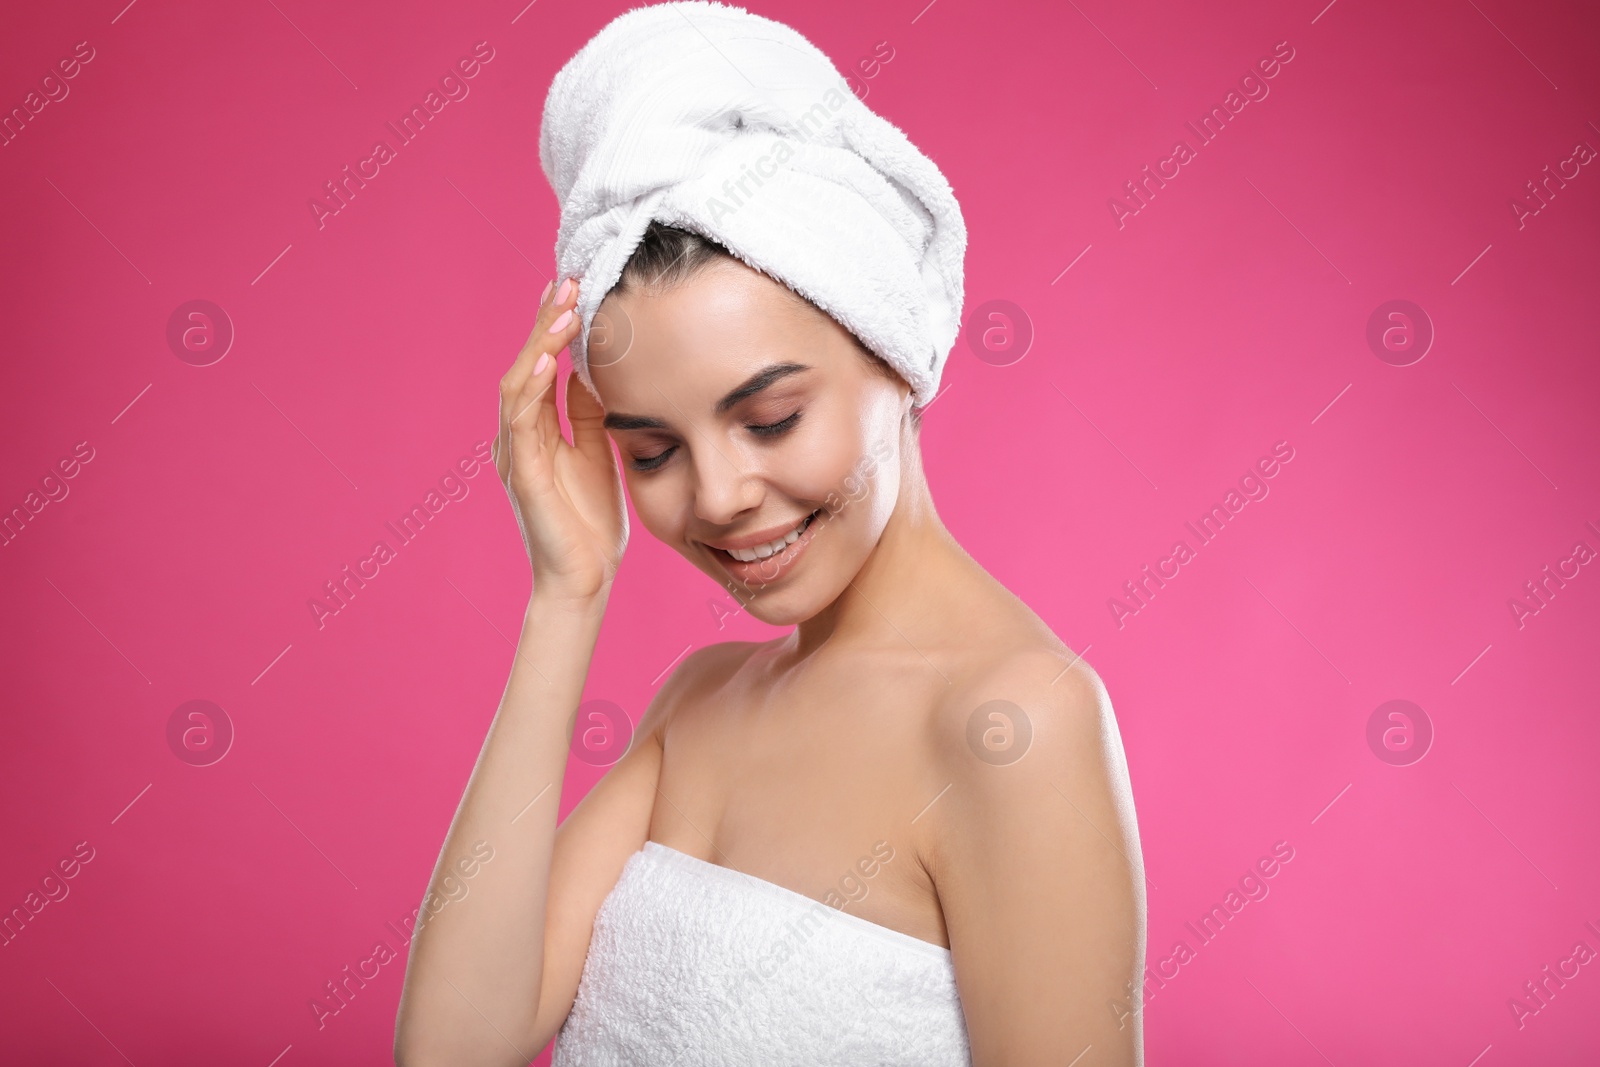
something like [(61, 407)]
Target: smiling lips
[(764, 544)]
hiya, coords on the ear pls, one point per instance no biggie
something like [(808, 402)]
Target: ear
[(911, 413)]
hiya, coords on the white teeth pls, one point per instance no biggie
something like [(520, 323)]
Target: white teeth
[(748, 555)]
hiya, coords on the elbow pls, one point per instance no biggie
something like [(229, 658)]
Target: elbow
[(415, 1048), (435, 1026), (411, 1051), (417, 1045)]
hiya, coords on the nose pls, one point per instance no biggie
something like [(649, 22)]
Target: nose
[(725, 482)]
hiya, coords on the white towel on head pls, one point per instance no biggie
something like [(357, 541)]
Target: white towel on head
[(706, 117)]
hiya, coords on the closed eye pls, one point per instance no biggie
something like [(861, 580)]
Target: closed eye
[(767, 429), (650, 463), (773, 429)]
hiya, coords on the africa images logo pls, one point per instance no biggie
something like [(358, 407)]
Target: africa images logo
[(768, 163)]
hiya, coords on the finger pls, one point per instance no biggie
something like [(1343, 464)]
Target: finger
[(510, 384), (587, 417), (514, 401), (502, 437), (555, 299), (562, 301), (540, 387), (534, 411)]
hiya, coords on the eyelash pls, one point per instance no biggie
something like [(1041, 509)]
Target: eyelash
[(770, 429), (652, 462), (773, 429)]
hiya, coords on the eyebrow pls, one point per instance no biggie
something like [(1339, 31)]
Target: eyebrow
[(748, 388)]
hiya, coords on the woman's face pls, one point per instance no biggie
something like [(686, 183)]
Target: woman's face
[(743, 416)]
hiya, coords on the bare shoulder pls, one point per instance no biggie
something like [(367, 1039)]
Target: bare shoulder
[(1037, 703), (1026, 739), (1017, 695), (1034, 852), (702, 671)]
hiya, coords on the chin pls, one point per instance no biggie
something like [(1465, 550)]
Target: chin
[(790, 607), (787, 600), (793, 591)]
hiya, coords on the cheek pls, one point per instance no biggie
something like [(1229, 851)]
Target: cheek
[(822, 465), (827, 473), (658, 505), (885, 490), (839, 467)]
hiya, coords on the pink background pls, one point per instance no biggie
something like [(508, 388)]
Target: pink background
[(1228, 314)]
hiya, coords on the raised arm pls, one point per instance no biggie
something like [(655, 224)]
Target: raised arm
[(482, 959)]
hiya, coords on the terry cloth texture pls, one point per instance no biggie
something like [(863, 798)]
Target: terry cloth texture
[(695, 964), (706, 117)]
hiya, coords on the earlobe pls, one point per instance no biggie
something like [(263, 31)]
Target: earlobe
[(903, 388), (908, 402)]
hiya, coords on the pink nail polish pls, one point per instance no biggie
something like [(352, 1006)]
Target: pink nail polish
[(549, 285), (561, 321), (542, 363), (561, 293)]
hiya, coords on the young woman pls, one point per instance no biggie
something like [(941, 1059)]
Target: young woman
[(916, 710), (900, 833)]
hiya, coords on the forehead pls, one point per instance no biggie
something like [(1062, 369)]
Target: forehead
[(704, 335)]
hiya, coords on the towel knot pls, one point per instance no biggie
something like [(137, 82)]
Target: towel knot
[(704, 116)]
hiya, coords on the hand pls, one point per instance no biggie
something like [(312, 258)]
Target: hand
[(568, 497)]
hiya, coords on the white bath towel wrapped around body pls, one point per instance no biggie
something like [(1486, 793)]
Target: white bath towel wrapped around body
[(707, 117), (700, 965)]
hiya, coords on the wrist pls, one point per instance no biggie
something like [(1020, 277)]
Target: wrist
[(583, 606)]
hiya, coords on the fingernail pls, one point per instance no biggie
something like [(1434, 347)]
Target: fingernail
[(561, 321), (561, 293), (549, 285), (542, 362)]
